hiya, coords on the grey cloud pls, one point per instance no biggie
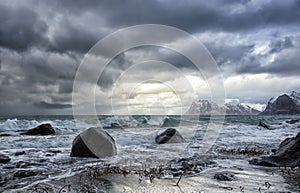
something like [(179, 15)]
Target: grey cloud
[(70, 38), (42, 43), (46, 105), (136, 55), (20, 28), (229, 54), (194, 15), (279, 45)]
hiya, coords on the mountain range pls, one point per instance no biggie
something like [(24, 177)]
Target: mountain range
[(283, 104), (205, 107)]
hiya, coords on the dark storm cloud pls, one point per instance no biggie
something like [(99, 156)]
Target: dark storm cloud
[(43, 42), (285, 60), (225, 54), (20, 28), (46, 105), (72, 39), (141, 54), (191, 15), (279, 45)]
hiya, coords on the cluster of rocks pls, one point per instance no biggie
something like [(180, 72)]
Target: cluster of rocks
[(188, 166), (97, 143), (43, 129)]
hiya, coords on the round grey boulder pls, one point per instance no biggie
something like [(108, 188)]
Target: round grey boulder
[(93, 142)]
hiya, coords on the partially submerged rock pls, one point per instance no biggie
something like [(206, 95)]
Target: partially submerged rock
[(293, 121), (4, 159), (224, 176), (20, 153), (170, 122), (113, 126), (93, 142), (170, 135), (44, 129), (265, 125), (287, 155), (24, 173)]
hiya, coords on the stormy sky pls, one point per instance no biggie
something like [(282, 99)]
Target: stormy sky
[(256, 45)]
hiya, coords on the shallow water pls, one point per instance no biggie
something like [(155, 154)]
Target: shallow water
[(49, 155)]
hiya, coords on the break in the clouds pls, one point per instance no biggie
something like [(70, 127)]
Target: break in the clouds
[(256, 45)]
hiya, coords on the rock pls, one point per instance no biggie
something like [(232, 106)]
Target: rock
[(293, 121), (287, 155), (93, 142), (224, 176), (170, 135), (271, 161), (170, 122), (284, 104), (113, 126), (54, 151), (24, 174), (262, 124), (5, 134), (4, 159), (19, 153), (25, 164), (44, 129)]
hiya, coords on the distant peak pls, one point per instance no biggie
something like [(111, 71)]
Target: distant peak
[(284, 104)]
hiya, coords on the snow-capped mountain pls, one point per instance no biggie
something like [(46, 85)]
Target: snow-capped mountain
[(283, 104), (205, 107)]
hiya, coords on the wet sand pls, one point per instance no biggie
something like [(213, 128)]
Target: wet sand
[(247, 179)]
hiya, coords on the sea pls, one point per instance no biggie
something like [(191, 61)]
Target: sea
[(49, 156)]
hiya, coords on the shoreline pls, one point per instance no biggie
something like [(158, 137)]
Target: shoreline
[(252, 179)]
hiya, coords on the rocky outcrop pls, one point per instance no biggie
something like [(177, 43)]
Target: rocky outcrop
[(4, 159), (205, 107), (170, 135), (44, 129), (284, 104), (93, 142), (287, 155)]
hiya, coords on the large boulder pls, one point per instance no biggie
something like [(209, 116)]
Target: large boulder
[(287, 155), (44, 129), (170, 135), (93, 142)]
